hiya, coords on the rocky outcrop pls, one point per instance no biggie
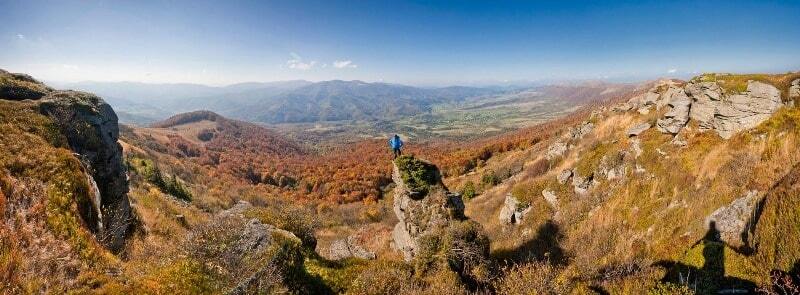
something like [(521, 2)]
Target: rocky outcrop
[(556, 150), (638, 129), (746, 110), (348, 247), (794, 89), (561, 146), (731, 221), (422, 203), (564, 176), (708, 104), (551, 198), (581, 184), (678, 114), (251, 257), (513, 211), (90, 127), (580, 131), (728, 114), (21, 87)]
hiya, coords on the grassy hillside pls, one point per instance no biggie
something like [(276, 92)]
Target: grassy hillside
[(222, 205)]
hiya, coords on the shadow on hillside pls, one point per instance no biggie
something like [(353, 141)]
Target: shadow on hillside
[(545, 246), (710, 278)]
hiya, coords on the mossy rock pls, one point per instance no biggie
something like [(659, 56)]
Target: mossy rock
[(21, 87), (417, 175)]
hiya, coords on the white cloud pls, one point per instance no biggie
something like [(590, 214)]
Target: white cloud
[(70, 67), (672, 71), (341, 64), (297, 62), (20, 36)]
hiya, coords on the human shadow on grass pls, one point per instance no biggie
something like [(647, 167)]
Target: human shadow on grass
[(544, 247), (710, 278)]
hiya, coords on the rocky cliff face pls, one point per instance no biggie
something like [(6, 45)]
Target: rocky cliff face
[(90, 127), (709, 105), (422, 203)]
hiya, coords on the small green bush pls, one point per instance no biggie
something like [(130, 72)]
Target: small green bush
[(490, 179), (468, 190), (171, 185), (417, 175)]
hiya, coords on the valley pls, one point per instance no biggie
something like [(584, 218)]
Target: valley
[(585, 201)]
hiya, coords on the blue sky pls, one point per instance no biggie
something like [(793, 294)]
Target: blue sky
[(425, 42)]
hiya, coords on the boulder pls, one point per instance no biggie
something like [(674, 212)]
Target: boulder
[(564, 176), (636, 147), (678, 114), (638, 129), (746, 110), (705, 96), (581, 130), (731, 221), (581, 184), (551, 198), (711, 108), (420, 213), (556, 150), (794, 89), (623, 107), (513, 211), (261, 256), (349, 247)]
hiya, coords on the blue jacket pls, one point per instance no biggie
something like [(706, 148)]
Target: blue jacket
[(395, 143)]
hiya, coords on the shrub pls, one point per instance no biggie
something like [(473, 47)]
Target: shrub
[(383, 277), (490, 179), (295, 219), (417, 175), (468, 190), (462, 247), (532, 278), (171, 186)]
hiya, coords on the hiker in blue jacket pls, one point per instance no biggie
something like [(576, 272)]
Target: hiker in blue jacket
[(395, 143)]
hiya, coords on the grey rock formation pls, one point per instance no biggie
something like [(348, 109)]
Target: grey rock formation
[(623, 107), (560, 147), (90, 127), (713, 109), (348, 247), (731, 220), (705, 96), (581, 184), (746, 110), (638, 129), (513, 212), (564, 176), (678, 115), (21, 87), (636, 147), (551, 198), (556, 150), (794, 90), (260, 255), (581, 130), (419, 215)]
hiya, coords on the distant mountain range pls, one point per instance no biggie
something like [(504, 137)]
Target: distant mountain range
[(302, 101), (277, 102)]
